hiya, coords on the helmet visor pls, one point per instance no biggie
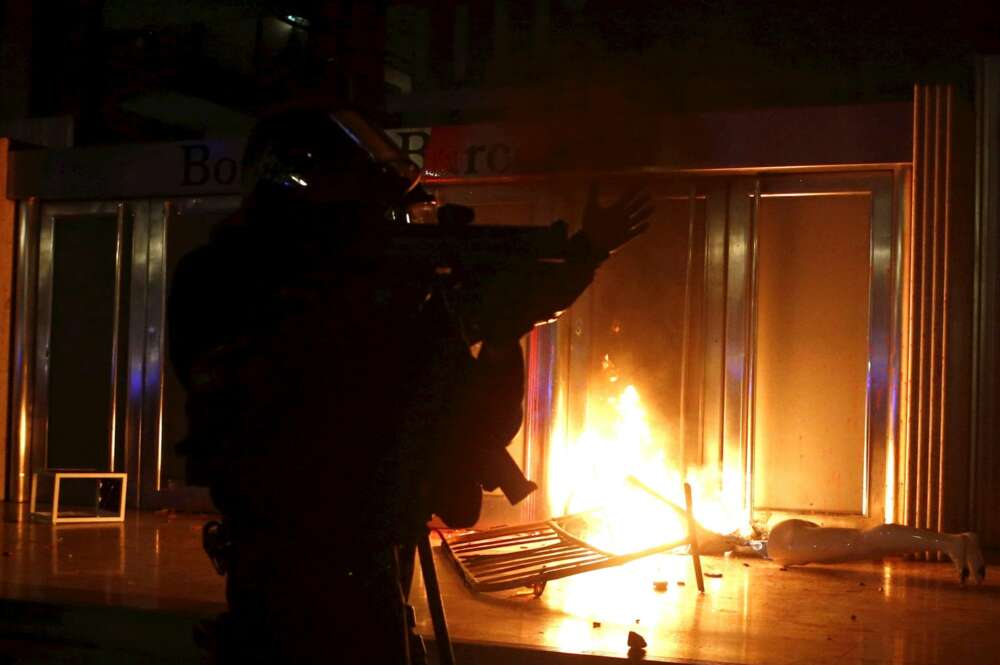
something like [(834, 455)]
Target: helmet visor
[(378, 145)]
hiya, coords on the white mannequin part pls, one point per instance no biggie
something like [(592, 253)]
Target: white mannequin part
[(798, 542)]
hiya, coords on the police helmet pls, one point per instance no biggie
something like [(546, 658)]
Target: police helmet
[(320, 157)]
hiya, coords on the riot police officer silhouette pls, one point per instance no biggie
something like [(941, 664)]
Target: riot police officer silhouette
[(333, 402)]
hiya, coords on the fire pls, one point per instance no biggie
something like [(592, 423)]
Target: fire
[(619, 474)]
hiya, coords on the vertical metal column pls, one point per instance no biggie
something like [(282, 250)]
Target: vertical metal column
[(113, 443), (23, 356), (942, 279), (42, 332), (684, 422), (714, 321), (152, 344), (138, 287), (742, 203), (985, 490)]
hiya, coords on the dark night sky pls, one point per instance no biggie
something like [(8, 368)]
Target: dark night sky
[(96, 56)]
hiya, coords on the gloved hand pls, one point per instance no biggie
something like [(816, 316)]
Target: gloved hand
[(608, 229)]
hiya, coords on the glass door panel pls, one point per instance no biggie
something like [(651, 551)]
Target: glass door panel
[(80, 289)]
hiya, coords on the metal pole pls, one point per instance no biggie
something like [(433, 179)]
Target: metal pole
[(693, 537), (445, 654)]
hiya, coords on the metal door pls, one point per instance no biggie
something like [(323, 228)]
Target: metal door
[(168, 230), (812, 341), (91, 384), (68, 338)]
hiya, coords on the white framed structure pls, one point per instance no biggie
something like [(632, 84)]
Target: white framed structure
[(57, 476)]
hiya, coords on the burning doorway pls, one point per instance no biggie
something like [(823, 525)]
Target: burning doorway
[(748, 344)]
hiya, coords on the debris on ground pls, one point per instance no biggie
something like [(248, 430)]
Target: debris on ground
[(596, 624), (521, 593), (636, 654), (660, 585), (854, 617), (713, 575), (680, 584)]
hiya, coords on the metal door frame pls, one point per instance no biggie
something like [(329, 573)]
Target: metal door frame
[(136, 446), (33, 331), (887, 217), (147, 353), (23, 343)]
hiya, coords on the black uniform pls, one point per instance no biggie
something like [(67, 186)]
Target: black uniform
[(332, 408)]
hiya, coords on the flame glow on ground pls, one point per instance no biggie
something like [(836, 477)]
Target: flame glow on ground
[(592, 474)]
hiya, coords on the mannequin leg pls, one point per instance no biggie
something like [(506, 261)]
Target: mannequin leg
[(798, 542)]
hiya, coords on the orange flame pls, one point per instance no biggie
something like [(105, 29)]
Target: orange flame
[(592, 474)]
